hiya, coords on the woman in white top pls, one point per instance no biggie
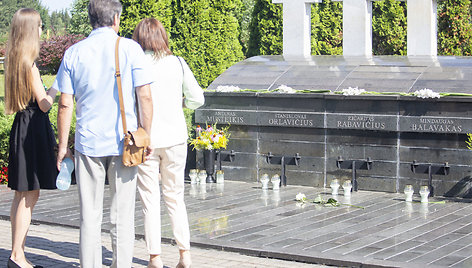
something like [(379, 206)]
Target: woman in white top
[(174, 80)]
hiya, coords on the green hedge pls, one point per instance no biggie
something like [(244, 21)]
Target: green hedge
[(206, 34), (245, 21), (136, 10), (454, 28), (265, 29), (389, 28), (5, 126), (389, 25), (327, 28), (213, 35), (79, 21)]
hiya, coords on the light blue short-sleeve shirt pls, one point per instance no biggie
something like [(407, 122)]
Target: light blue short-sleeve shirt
[(87, 71)]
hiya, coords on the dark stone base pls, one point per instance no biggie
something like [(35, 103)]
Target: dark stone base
[(391, 131)]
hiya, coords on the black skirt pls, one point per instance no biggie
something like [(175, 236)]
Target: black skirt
[(32, 157)]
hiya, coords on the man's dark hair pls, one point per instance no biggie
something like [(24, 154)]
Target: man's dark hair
[(102, 12)]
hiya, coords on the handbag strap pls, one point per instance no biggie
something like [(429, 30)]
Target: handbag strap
[(181, 65), (183, 78), (118, 82)]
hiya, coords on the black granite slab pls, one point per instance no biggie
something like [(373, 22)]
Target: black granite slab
[(443, 107), (295, 134), (433, 140), (291, 148), (380, 105), (297, 102), (361, 137), (379, 153)]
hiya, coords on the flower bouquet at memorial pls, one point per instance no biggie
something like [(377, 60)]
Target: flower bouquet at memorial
[(302, 199), (209, 140)]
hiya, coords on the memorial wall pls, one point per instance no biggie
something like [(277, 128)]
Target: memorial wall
[(402, 135), (391, 129)]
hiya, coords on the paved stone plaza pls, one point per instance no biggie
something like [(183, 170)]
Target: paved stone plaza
[(58, 247), (241, 218)]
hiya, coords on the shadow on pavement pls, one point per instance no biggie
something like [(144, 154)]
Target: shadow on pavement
[(63, 249)]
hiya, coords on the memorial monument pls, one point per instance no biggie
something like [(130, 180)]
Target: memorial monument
[(391, 130)]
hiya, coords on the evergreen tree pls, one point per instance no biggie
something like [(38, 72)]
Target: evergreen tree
[(79, 22), (327, 28), (136, 10), (206, 34), (9, 7), (133, 12), (454, 28), (244, 21), (266, 36), (56, 22), (60, 21), (266, 28), (389, 28)]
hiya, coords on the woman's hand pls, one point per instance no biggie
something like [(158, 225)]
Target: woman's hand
[(148, 152), (61, 154)]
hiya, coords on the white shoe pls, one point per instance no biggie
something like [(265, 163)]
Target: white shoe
[(185, 260), (155, 263)]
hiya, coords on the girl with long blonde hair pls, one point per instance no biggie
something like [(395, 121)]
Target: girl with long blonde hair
[(32, 162)]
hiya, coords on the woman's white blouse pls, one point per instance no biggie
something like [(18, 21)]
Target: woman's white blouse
[(171, 84)]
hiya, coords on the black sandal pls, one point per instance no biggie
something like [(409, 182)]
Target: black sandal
[(12, 264)]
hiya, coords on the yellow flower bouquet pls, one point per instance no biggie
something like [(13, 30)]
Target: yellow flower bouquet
[(210, 138)]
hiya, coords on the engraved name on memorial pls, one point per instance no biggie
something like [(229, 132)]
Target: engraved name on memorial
[(361, 122), (435, 124), (231, 117), (288, 119)]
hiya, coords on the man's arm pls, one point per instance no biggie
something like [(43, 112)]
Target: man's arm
[(144, 99), (64, 118)]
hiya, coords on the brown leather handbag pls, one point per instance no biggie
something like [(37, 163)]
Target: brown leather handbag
[(135, 143)]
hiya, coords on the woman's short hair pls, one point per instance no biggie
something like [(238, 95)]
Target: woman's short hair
[(152, 36), (102, 12)]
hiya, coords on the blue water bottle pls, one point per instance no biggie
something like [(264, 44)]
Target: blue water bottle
[(64, 177)]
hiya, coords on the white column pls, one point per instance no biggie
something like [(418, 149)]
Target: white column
[(296, 27), (422, 36), (357, 27)]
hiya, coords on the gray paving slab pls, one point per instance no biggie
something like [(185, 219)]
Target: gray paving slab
[(54, 246), (438, 253), (464, 263), (240, 217), (448, 261)]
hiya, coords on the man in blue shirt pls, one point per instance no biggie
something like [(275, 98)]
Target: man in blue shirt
[(87, 73)]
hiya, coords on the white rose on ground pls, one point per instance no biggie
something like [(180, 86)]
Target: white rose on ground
[(300, 197)]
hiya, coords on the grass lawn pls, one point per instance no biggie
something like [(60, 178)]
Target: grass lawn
[(47, 79)]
